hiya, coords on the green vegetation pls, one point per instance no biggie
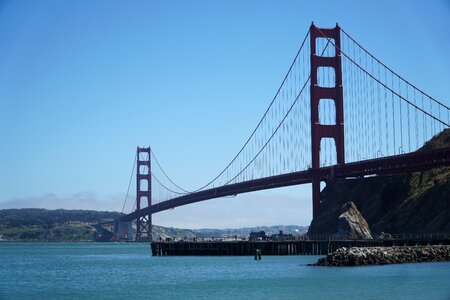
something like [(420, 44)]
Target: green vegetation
[(51, 225), (36, 216), (62, 232), (170, 232)]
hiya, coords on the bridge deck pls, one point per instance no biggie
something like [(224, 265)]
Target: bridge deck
[(416, 161)]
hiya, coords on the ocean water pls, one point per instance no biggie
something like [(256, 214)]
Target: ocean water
[(128, 271)]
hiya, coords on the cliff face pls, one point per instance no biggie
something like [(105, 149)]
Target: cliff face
[(407, 203)]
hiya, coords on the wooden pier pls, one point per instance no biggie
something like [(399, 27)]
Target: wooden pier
[(292, 247)]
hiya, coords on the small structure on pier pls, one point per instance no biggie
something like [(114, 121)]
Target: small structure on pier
[(281, 237), (257, 236)]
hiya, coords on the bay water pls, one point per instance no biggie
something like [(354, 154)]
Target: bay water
[(128, 271)]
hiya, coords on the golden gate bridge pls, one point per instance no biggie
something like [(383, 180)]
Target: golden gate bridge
[(338, 112)]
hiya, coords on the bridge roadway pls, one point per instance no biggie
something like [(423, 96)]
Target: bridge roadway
[(415, 161)]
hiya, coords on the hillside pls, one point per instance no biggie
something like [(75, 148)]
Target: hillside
[(31, 224), (37, 216), (406, 203), (170, 232)]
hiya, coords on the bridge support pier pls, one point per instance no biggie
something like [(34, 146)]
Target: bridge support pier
[(123, 230), (318, 130)]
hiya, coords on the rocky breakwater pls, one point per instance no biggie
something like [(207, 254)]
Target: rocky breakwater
[(357, 256)]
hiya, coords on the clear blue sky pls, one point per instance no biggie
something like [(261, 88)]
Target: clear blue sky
[(82, 83)]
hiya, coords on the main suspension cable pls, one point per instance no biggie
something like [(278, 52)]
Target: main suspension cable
[(165, 174)]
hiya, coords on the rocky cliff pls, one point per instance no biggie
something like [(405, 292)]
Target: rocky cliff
[(406, 203), (351, 223)]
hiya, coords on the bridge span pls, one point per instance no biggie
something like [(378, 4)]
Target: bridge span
[(405, 163)]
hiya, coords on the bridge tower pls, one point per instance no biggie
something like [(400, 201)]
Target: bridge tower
[(143, 193), (318, 130)]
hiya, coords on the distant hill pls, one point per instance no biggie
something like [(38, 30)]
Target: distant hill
[(31, 224), (173, 233), (178, 233), (407, 203), (244, 232), (38, 216)]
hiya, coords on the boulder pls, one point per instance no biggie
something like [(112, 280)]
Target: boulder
[(351, 223)]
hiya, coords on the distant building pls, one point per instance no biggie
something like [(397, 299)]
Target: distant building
[(281, 236), (258, 236)]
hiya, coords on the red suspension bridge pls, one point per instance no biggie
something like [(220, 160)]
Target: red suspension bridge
[(309, 134)]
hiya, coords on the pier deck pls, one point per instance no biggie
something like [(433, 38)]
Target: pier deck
[(290, 247)]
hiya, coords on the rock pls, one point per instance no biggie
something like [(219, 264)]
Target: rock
[(351, 224), (384, 255)]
